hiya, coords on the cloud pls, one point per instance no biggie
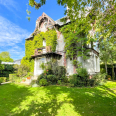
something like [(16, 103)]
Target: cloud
[(9, 4), (12, 38)]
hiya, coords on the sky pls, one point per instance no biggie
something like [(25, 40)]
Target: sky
[(15, 27)]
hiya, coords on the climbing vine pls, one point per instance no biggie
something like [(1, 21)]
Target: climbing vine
[(37, 42), (76, 40)]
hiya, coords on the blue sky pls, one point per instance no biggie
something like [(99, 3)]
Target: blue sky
[(14, 26)]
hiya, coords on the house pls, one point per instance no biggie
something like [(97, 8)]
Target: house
[(44, 54), (14, 62)]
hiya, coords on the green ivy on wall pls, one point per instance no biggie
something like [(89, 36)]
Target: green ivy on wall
[(30, 45), (75, 40)]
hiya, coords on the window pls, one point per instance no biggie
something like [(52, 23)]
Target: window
[(44, 42)]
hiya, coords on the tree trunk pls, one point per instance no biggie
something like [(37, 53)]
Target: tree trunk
[(106, 67), (113, 73)]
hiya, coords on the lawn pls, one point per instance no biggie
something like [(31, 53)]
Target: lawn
[(20, 100)]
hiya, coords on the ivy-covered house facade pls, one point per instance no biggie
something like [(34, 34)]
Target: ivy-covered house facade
[(48, 41)]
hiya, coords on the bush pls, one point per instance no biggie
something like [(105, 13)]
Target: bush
[(52, 78), (3, 79), (41, 76), (33, 82), (82, 72), (59, 71), (99, 78), (108, 77), (64, 79), (0, 81), (21, 70), (12, 77), (59, 82), (43, 82), (91, 82), (80, 79), (73, 79)]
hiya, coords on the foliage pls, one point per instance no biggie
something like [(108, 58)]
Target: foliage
[(43, 82), (29, 74), (33, 82), (82, 72), (52, 72), (99, 78), (2, 79), (73, 79), (59, 82), (52, 78), (30, 45), (12, 77), (76, 40), (1, 66), (7, 69), (5, 56), (108, 76), (81, 79), (21, 70)]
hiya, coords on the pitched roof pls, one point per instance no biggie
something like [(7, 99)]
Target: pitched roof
[(30, 36), (60, 23)]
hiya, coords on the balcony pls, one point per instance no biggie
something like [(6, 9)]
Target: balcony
[(43, 50)]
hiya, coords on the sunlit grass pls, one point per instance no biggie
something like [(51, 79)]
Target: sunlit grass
[(19, 100)]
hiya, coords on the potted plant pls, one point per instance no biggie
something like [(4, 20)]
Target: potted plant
[(24, 80), (28, 77)]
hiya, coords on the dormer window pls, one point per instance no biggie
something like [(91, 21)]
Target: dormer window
[(44, 42)]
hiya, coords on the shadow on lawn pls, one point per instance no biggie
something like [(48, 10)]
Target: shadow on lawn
[(11, 95), (98, 101), (64, 101)]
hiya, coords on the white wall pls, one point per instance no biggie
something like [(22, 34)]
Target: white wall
[(37, 69)]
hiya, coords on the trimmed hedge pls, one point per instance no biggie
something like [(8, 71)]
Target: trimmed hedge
[(2, 79)]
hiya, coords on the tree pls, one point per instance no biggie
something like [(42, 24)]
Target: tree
[(1, 66), (5, 56), (21, 70)]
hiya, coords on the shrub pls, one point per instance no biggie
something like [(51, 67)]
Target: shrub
[(41, 76), (0, 81), (99, 78), (3, 79), (12, 77), (59, 82), (43, 82), (82, 72), (21, 70), (52, 78), (73, 79), (59, 71), (80, 79), (91, 82), (33, 82), (108, 77), (64, 79)]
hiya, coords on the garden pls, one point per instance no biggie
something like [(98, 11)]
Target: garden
[(57, 94), (54, 100)]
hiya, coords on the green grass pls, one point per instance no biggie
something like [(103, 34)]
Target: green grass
[(19, 100)]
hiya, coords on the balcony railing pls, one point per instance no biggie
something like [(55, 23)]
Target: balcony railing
[(43, 50)]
